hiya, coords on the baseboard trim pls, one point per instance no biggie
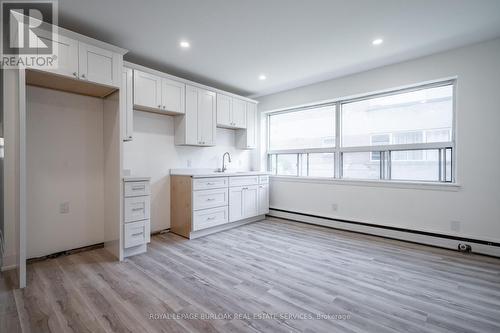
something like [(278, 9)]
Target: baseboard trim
[(420, 237), (66, 252)]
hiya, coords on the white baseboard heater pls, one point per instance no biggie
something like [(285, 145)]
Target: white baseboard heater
[(414, 236)]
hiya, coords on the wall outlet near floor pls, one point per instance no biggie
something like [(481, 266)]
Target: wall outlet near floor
[(64, 207), (455, 225), (335, 207)]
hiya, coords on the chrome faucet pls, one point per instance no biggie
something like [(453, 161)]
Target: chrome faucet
[(224, 160)]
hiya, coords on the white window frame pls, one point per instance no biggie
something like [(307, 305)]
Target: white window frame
[(385, 150)]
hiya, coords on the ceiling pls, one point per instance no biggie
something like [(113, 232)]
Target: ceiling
[(292, 42)]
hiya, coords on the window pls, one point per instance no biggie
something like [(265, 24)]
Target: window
[(405, 135), (377, 140), (311, 128)]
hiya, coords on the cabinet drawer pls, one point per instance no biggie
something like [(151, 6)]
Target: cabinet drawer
[(207, 218), (210, 198), (136, 233), (243, 180), (134, 189), (208, 183), (137, 208), (264, 179)]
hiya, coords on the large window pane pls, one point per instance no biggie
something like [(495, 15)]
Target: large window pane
[(360, 166), (311, 128), (426, 168), (420, 116), (321, 165), (286, 164)]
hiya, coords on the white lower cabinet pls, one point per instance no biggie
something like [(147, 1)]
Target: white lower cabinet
[(243, 202), (136, 215), (203, 203), (263, 199), (136, 233), (211, 217), (235, 203)]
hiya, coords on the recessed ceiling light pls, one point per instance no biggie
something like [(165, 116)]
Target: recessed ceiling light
[(262, 77), (377, 41), (184, 44)]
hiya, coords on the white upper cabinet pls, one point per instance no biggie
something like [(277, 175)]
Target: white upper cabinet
[(173, 95), (197, 127), (231, 112), (206, 117), (239, 115), (67, 53), (126, 106), (224, 117), (83, 61), (147, 90), (158, 94), (99, 65), (247, 138)]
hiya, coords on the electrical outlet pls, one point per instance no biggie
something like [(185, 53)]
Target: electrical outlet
[(455, 226), (335, 207), (64, 207), (188, 163)]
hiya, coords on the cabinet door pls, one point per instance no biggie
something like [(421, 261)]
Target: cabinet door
[(239, 114), (247, 138), (263, 199), (186, 127), (173, 95), (224, 110), (66, 62), (127, 106), (250, 201), (99, 65), (235, 203), (251, 125), (147, 90), (206, 117)]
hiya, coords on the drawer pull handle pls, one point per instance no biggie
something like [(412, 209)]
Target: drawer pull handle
[(245, 188), (136, 188), (137, 234), (210, 199), (210, 218), (137, 209), (210, 183)]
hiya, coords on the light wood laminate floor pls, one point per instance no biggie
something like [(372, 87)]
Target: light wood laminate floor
[(256, 278)]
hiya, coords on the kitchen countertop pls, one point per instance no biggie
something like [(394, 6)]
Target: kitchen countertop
[(136, 179), (204, 173)]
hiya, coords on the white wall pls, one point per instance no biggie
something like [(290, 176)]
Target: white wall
[(475, 205), (152, 153), (64, 164)]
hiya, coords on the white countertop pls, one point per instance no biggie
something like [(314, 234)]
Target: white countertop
[(136, 179), (203, 173)]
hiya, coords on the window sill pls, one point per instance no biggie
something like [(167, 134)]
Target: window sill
[(371, 183)]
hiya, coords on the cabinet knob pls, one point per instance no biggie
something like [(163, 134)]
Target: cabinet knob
[(163, 107), (83, 75), (159, 106), (75, 74)]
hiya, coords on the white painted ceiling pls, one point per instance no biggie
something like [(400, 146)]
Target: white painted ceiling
[(294, 42)]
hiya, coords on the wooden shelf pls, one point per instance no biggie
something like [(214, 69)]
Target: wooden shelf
[(63, 83)]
